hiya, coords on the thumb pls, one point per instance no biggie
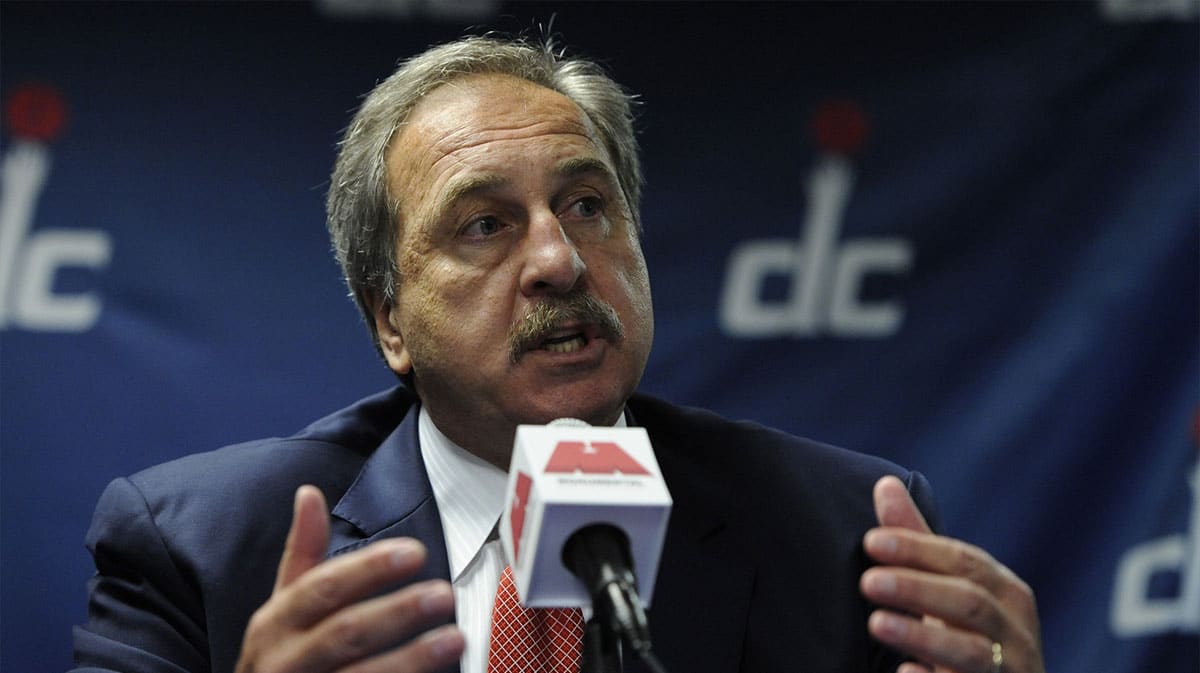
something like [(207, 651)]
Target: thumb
[(895, 507), (308, 537)]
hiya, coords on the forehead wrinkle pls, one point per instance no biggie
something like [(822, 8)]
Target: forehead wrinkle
[(445, 158), (467, 136)]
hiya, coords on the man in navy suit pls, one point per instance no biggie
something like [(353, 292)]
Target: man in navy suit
[(484, 208)]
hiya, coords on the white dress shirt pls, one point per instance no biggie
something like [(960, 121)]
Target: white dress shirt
[(470, 497)]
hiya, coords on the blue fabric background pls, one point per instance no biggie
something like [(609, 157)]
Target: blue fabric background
[(1038, 163)]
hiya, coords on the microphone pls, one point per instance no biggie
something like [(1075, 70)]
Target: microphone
[(586, 507)]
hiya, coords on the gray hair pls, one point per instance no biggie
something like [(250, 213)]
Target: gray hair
[(363, 217)]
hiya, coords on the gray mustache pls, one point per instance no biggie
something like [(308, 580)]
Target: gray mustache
[(541, 319)]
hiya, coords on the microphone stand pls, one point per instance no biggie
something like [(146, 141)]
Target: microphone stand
[(601, 648)]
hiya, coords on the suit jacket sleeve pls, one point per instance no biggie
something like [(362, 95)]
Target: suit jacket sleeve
[(143, 616)]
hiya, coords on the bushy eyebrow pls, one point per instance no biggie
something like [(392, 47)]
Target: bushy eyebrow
[(462, 188), (576, 167)]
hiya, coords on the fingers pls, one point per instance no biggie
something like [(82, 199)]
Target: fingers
[(932, 643), (432, 651), (895, 507), (954, 600), (326, 619), (346, 579), (948, 556), (308, 537), (942, 555), (365, 629)]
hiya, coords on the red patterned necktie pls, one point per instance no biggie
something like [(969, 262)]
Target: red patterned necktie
[(539, 640)]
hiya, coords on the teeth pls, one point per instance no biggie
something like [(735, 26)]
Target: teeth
[(569, 346)]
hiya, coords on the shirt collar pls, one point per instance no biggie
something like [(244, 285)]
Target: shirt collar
[(469, 493)]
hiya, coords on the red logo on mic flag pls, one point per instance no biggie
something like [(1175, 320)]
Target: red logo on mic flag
[(517, 515), (593, 458)]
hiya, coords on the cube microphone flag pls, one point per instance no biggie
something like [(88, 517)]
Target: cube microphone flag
[(585, 507)]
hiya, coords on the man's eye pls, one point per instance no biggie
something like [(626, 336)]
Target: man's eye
[(482, 227), (588, 206)]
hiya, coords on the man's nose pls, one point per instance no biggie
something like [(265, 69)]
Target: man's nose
[(552, 262)]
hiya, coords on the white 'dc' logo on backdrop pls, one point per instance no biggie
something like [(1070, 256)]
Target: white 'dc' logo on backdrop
[(1137, 609), (826, 273), (30, 261)]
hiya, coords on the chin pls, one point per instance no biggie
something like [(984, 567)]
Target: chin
[(590, 408)]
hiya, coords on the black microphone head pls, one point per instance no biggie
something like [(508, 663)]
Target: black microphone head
[(599, 555)]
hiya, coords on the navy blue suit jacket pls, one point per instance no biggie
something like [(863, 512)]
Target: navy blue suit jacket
[(759, 573)]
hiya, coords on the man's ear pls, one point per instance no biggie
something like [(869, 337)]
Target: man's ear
[(391, 341)]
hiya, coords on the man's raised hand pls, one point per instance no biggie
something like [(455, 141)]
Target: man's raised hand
[(973, 614), (322, 617)]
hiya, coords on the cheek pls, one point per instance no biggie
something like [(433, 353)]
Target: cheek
[(424, 307), (454, 305), (635, 281), (627, 287)]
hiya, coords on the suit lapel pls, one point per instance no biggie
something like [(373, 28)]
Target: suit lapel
[(392, 498)]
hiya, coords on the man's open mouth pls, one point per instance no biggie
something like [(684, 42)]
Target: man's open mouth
[(564, 325), (568, 343)]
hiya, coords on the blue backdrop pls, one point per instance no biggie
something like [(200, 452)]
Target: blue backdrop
[(962, 236)]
